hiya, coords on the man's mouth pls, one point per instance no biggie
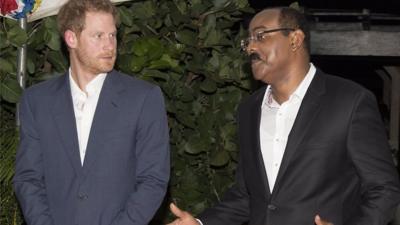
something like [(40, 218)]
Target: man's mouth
[(107, 57), (254, 57)]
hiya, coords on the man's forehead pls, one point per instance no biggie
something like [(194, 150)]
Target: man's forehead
[(265, 19)]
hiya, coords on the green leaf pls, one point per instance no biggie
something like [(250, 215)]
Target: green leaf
[(156, 74), (230, 146), (30, 65), (212, 38), (8, 144), (58, 60), (228, 132), (155, 48), (164, 63), (50, 23), (199, 207), (10, 90), (246, 84), (37, 38), (125, 16), (208, 86), (195, 145), (296, 5), (6, 66), (186, 95), (151, 47), (199, 7), (124, 63), (181, 6), (210, 22), (177, 13), (4, 42), (241, 3), (17, 36), (54, 41), (220, 158), (137, 63), (220, 3), (225, 72), (187, 37), (143, 10), (11, 22), (185, 118)]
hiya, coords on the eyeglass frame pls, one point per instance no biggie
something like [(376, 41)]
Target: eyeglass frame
[(259, 36)]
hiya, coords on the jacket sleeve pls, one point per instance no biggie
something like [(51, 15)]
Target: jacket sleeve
[(28, 180), (153, 169), (369, 151)]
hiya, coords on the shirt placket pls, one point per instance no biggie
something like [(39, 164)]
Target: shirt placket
[(279, 138)]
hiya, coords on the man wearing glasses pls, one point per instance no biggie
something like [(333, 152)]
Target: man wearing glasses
[(313, 148)]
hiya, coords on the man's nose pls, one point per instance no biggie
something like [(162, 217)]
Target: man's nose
[(109, 43), (251, 47)]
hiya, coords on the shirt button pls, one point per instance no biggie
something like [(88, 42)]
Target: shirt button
[(277, 139)]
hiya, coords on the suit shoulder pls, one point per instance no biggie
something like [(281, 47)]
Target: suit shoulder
[(45, 87), (343, 85)]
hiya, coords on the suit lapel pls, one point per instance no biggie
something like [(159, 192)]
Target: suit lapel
[(255, 126), (106, 110), (308, 110), (64, 117)]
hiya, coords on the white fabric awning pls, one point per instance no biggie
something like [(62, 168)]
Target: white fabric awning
[(50, 8)]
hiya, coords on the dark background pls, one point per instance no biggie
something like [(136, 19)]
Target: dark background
[(381, 6)]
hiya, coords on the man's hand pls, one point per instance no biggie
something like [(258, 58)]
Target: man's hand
[(183, 217), (319, 221)]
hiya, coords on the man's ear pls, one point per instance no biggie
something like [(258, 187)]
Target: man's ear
[(296, 39), (70, 39)]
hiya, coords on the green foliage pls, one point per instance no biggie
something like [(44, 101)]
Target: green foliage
[(191, 49), (9, 213)]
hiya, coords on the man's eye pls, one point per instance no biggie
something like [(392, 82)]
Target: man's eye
[(260, 36), (97, 35)]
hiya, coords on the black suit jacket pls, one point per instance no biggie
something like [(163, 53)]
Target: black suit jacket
[(336, 163)]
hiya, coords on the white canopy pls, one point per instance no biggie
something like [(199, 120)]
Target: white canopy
[(50, 8)]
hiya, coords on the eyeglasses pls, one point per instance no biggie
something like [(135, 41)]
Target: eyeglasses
[(259, 36)]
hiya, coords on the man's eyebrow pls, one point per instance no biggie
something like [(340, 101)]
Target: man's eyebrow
[(257, 28)]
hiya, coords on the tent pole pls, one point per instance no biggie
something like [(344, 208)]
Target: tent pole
[(21, 63)]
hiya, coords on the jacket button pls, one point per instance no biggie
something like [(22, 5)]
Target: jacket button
[(272, 207), (82, 197)]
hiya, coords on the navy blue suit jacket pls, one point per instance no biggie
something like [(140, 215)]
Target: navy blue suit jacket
[(126, 170)]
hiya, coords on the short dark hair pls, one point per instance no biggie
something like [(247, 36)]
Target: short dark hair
[(72, 14), (292, 18)]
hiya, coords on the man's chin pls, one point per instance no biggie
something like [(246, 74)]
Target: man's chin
[(106, 68), (258, 77), (259, 70)]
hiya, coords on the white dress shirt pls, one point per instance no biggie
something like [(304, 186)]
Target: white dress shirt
[(85, 103), (276, 124)]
